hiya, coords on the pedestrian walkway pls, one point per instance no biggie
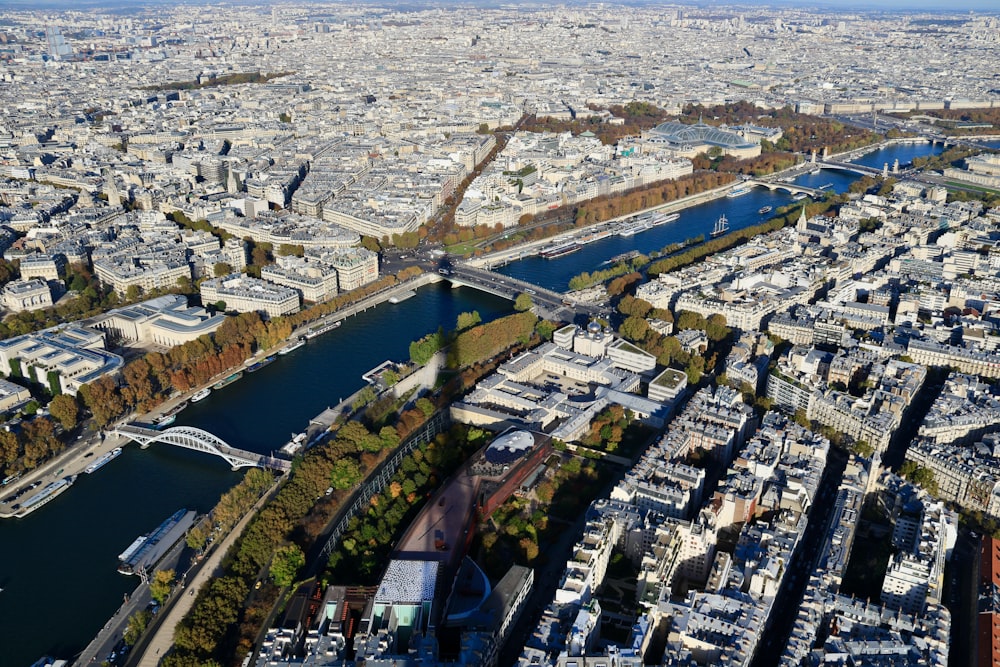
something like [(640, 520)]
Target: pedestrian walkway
[(163, 640)]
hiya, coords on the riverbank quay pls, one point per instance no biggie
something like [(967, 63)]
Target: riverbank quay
[(111, 635), (91, 445), (151, 650), (530, 248), (72, 461)]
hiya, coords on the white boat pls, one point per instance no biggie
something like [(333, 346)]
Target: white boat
[(201, 395), (661, 219), (399, 298), (291, 347), (738, 191), (45, 495), (800, 196), (103, 460), (318, 331), (292, 447)]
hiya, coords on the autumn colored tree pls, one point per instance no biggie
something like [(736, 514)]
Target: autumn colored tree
[(66, 410), (161, 584)]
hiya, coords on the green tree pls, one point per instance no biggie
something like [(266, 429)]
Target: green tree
[(345, 474), (862, 448), (694, 369), (425, 406), (221, 269), (160, 585), (468, 320), (133, 293), (545, 329), (688, 320), (523, 302), (137, 624), (716, 329), (285, 565)]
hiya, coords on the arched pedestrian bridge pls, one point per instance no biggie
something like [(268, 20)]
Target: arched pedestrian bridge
[(190, 437)]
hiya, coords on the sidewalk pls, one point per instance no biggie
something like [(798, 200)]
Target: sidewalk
[(163, 640)]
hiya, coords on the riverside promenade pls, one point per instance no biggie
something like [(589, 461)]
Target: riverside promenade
[(530, 248), (183, 599)]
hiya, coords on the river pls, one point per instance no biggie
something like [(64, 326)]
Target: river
[(57, 566)]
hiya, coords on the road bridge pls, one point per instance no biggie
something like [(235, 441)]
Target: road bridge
[(850, 166), (791, 188), (190, 437), (557, 305)]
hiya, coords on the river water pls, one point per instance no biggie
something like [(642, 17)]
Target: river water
[(58, 566)]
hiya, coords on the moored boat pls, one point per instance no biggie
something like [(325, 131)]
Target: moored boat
[(103, 460), (661, 219), (399, 298), (226, 381), (266, 361), (559, 250), (164, 421), (147, 550), (292, 447), (738, 191), (48, 493), (318, 331), (201, 395), (291, 347)]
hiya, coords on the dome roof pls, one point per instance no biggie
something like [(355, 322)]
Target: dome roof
[(509, 447)]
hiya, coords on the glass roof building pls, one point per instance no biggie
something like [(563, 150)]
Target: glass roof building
[(690, 140)]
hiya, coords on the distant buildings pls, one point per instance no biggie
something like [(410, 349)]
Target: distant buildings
[(245, 294)]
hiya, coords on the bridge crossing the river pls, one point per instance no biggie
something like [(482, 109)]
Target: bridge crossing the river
[(190, 437)]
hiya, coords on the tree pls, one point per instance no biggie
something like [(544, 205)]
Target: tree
[(468, 320), (370, 243), (425, 406), (286, 564), (220, 306), (345, 474), (222, 269), (545, 329), (694, 369), (634, 328), (688, 320), (159, 587), (137, 624), (65, 410), (716, 329), (286, 249), (862, 448), (133, 293), (523, 302)]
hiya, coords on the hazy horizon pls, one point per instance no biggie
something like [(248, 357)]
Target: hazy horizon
[(961, 6)]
